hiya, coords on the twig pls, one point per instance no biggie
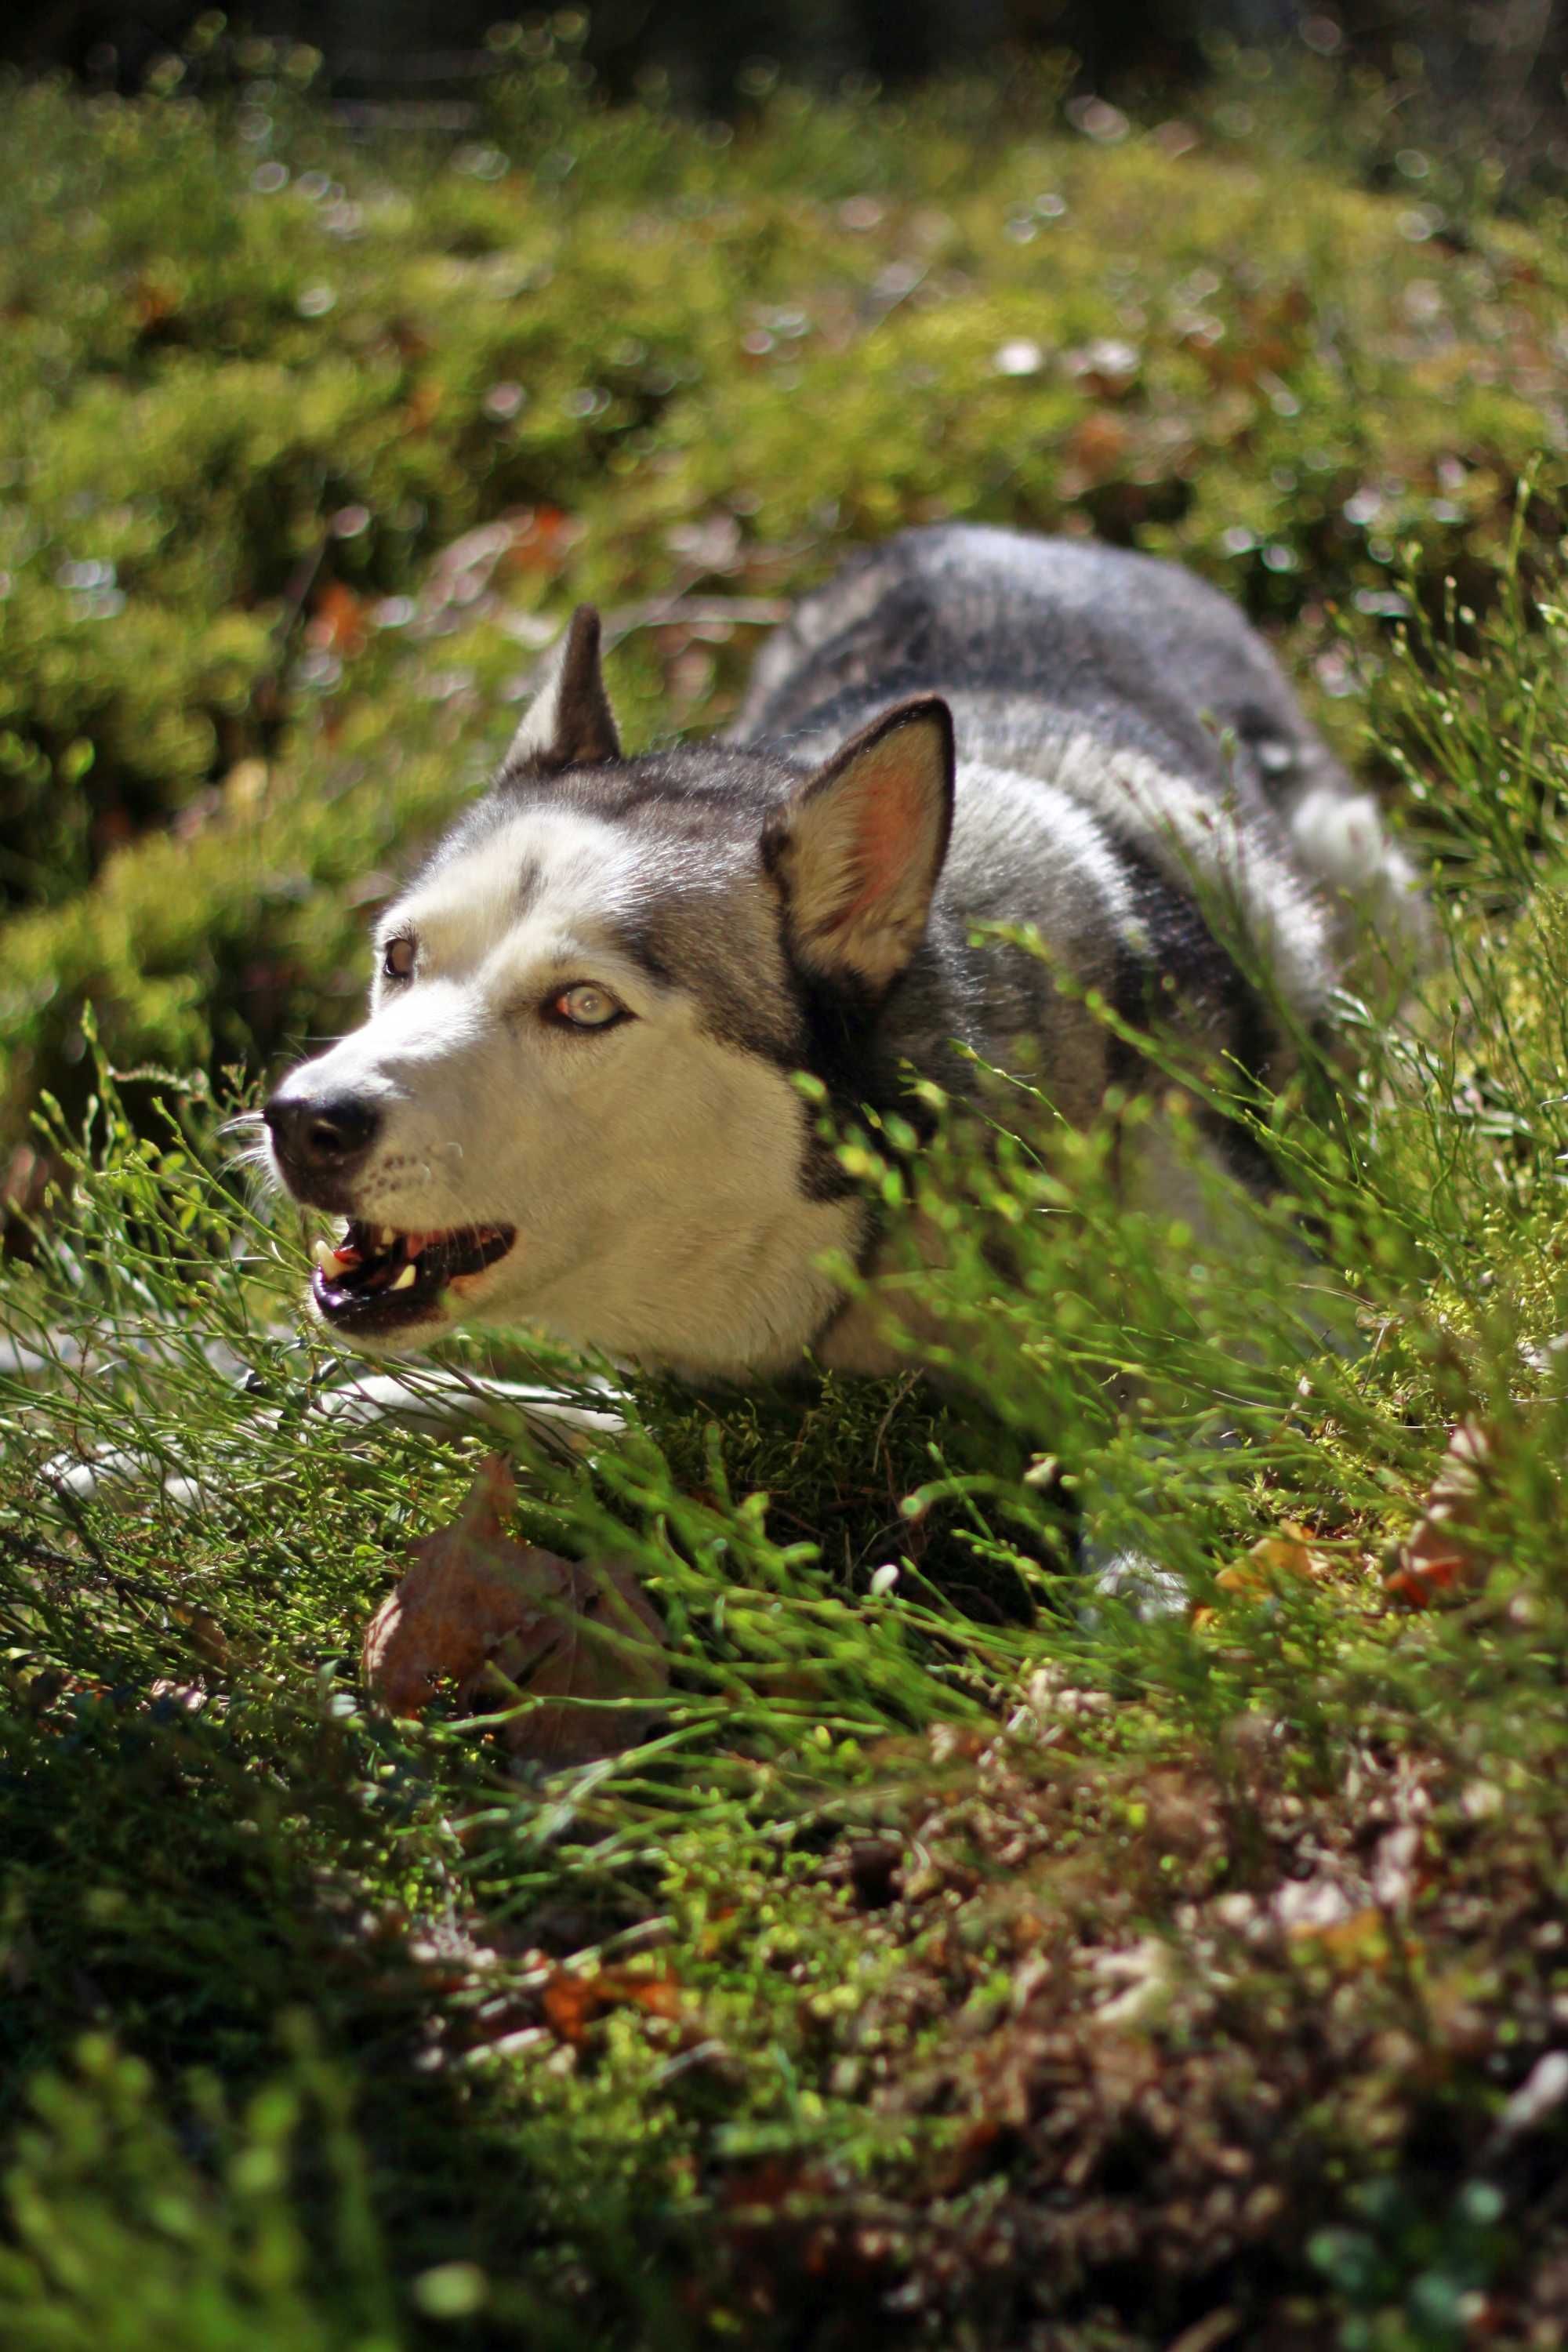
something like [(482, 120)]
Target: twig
[(696, 611), (676, 611), (37, 1555)]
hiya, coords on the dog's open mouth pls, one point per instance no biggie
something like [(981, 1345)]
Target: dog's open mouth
[(374, 1279)]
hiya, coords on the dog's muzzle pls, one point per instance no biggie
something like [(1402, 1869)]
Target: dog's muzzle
[(319, 1142)]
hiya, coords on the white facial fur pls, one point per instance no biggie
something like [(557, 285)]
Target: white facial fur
[(651, 1168)]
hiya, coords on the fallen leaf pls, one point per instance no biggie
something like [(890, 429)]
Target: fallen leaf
[(423, 406), (337, 624), (572, 2001), (1360, 1941), (203, 1632), (474, 1607), (604, 1642), (542, 538), (1291, 1552), (1440, 1556), (455, 1605), (1098, 444)]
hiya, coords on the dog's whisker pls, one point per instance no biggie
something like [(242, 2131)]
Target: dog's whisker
[(255, 1158)]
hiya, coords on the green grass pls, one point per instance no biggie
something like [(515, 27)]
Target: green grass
[(940, 1968)]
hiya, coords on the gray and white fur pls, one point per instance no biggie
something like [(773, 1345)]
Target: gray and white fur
[(573, 1104)]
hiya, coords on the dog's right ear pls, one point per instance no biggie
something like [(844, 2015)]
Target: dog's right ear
[(569, 723), (858, 853)]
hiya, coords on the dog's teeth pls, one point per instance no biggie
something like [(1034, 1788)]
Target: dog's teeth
[(384, 1238), (330, 1261), (406, 1280)]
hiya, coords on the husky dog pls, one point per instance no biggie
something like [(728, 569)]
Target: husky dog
[(575, 1103)]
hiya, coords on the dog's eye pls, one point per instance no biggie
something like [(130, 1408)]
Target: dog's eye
[(585, 1005), (398, 961)]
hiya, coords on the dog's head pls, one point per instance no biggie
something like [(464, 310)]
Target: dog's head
[(573, 1104)]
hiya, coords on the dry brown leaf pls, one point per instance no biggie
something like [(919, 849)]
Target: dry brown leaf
[(423, 405), (475, 1606), (1098, 444), (337, 624), (1291, 1552), (1362, 1941), (1440, 1556), (572, 2002), (542, 539)]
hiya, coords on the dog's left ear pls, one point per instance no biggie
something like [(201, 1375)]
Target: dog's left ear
[(569, 723), (858, 850)]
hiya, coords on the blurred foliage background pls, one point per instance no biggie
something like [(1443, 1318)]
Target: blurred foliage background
[(334, 373), (1500, 63)]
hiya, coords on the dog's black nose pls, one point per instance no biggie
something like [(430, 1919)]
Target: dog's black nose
[(319, 1137)]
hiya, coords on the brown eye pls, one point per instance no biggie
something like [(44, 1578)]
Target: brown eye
[(585, 1005), (400, 958)]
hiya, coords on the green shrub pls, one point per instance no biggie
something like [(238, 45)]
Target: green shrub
[(258, 376), (121, 2242)]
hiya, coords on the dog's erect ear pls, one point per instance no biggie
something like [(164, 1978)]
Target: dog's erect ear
[(569, 723), (858, 850)]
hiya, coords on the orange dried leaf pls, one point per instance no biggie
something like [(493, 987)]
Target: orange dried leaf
[(423, 405), (1358, 1941), (1098, 444), (661, 1996), (564, 1631), (1440, 1556), (542, 539), (572, 2002), (606, 1642), (1289, 1553), (338, 622)]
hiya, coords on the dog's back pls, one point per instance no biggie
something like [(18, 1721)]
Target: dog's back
[(1033, 638), (1135, 785), (1125, 682)]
